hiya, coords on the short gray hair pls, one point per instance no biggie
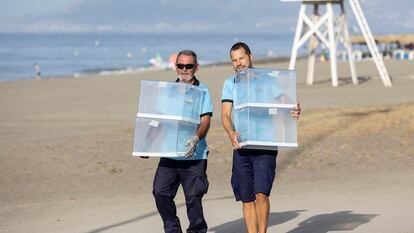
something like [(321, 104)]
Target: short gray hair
[(188, 53)]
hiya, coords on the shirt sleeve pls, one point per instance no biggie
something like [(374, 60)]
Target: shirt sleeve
[(207, 108), (227, 93)]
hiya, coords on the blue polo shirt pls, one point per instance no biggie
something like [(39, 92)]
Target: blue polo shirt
[(167, 106)]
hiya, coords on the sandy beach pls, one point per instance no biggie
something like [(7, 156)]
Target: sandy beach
[(66, 164)]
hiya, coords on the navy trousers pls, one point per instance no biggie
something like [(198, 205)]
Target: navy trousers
[(191, 174)]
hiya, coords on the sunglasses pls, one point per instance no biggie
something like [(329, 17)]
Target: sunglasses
[(187, 66)]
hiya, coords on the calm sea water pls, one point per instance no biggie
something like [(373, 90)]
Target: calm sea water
[(78, 54)]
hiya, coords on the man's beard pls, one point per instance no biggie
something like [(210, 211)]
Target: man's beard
[(240, 68), (186, 79)]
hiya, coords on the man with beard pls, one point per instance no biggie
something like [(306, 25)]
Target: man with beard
[(189, 171), (253, 169)]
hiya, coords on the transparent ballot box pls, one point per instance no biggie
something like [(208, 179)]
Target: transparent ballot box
[(263, 99), (175, 100), (168, 116)]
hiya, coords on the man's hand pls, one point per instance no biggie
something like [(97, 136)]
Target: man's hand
[(233, 138), (191, 144), (295, 113)]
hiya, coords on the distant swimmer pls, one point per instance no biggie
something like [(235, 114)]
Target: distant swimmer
[(38, 71)]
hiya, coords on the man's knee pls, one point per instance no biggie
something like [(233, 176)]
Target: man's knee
[(249, 204), (262, 197), (158, 195)]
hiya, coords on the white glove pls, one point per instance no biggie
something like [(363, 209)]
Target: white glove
[(191, 144)]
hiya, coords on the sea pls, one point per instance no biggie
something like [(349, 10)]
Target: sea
[(79, 54)]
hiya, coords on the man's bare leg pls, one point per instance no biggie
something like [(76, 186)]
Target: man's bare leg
[(250, 216), (262, 211)]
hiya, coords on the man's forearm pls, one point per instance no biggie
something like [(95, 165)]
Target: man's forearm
[(226, 121), (227, 125), (204, 127)]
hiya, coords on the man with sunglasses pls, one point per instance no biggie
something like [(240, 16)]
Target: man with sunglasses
[(189, 171), (253, 170)]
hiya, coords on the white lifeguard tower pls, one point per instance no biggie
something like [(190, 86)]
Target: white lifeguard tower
[(329, 29)]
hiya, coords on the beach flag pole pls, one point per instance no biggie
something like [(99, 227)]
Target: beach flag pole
[(329, 29)]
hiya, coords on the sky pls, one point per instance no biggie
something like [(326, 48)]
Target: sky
[(231, 16)]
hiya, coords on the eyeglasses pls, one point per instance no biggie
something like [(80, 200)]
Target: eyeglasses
[(187, 66)]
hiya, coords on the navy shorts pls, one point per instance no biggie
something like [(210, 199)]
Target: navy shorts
[(253, 172)]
